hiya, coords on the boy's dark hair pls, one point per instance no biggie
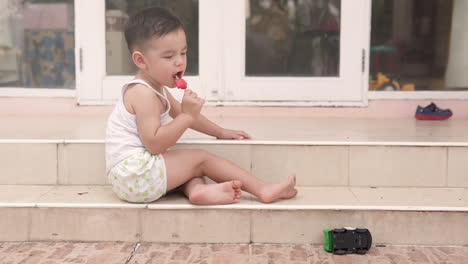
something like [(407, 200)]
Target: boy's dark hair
[(145, 24)]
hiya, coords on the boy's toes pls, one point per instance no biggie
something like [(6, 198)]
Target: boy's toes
[(293, 193), (236, 184), (292, 180)]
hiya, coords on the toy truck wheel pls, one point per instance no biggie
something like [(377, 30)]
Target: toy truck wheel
[(339, 230), (361, 251), (361, 230), (340, 252)]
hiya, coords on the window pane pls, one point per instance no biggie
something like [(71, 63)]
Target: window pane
[(37, 42), (293, 38), (118, 58), (419, 45)]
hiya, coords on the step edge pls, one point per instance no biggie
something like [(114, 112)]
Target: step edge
[(239, 207), (255, 142)]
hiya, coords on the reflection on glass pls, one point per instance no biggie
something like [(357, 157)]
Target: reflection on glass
[(419, 45), (293, 37), (37, 43), (118, 58)]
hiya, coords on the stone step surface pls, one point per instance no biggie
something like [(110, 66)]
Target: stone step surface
[(397, 216), (317, 164), (69, 150)]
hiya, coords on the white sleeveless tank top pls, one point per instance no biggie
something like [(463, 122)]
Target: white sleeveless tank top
[(122, 139)]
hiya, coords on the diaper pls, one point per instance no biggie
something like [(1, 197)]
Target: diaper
[(140, 178)]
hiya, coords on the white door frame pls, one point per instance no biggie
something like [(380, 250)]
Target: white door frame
[(90, 50)]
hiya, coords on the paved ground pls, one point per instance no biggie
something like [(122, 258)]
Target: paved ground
[(119, 252)]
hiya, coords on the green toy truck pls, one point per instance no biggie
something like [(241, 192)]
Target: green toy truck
[(347, 240)]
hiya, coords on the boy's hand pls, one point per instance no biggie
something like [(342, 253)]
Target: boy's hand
[(233, 134), (191, 103)]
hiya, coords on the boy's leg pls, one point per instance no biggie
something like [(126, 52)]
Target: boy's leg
[(184, 165)]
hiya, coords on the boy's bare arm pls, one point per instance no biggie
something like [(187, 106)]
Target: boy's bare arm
[(201, 123), (206, 126), (156, 138)]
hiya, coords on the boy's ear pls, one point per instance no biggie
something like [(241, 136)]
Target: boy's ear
[(139, 60)]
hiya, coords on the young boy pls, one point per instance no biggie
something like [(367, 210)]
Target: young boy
[(139, 131)]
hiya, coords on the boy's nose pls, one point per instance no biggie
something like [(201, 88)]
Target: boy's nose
[(179, 61)]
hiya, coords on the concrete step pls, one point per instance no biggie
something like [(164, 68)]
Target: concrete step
[(316, 163), (405, 180), (414, 216), (69, 150)]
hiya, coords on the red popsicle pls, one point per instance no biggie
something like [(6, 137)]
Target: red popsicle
[(181, 83)]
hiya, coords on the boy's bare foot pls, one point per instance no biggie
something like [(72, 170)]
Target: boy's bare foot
[(216, 194), (282, 190)]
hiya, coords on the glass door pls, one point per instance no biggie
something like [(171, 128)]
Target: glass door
[(298, 52), (37, 48), (107, 62), (418, 49), (260, 52), (119, 65)]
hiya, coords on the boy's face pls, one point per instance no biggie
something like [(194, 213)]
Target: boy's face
[(166, 57)]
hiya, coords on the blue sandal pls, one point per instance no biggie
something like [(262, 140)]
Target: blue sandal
[(432, 112)]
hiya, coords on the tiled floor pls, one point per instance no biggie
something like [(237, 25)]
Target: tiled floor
[(120, 252)]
